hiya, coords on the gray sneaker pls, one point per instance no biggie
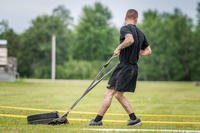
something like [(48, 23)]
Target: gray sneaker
[(136, 122), (94, 123)]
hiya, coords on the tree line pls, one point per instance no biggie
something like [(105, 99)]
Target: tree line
[(83, 48)]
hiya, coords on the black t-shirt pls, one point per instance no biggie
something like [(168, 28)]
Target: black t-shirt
[(130, 54)]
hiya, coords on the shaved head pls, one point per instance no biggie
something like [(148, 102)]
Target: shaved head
[(131, 14)]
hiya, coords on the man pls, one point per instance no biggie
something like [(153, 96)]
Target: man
[(133, 44)]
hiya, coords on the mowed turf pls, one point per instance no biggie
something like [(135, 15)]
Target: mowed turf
[(160, 105)]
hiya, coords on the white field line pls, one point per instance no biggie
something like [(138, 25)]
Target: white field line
[(140, 130)]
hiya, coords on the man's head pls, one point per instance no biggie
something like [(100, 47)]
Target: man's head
[(131, 15)]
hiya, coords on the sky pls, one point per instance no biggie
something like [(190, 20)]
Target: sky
[(19, 13)]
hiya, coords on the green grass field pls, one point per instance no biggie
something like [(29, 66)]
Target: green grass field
[(160, 105)]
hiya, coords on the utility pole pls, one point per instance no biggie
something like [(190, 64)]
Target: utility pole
[(53, 58)]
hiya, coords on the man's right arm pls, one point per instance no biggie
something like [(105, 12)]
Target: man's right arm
[(146, 51), (128, 41)]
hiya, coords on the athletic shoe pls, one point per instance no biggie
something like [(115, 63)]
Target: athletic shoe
[(94, 123), (136, 122)]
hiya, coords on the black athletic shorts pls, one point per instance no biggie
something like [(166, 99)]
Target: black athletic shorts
[(124, 78)]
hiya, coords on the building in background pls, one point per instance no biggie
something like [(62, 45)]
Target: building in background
[(8, 65)]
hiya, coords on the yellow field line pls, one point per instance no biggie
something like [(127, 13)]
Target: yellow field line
[(114, 121), (94, 113), (11, 115)]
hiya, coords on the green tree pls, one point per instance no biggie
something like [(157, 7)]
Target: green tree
[(64, 14), (170, 38), (95, 37), (195, 54), (35, 55)]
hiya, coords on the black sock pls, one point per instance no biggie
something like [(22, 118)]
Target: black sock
[(98, 118), (132, 116)]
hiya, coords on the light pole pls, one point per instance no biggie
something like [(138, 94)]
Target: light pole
[(53, 58)]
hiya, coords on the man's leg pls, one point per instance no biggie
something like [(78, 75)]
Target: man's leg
[(104, 107), (126, 105), (124, 102), (106, 102)]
